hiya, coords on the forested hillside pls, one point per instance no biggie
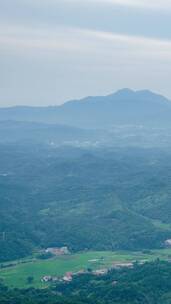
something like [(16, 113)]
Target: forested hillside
[(83, 198)]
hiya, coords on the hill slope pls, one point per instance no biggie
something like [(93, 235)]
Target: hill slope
[(82, 199)]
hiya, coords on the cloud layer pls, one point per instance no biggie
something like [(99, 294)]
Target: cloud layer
[(55, 50)]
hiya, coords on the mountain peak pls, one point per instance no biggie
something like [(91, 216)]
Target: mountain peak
[(123, 107), (128, 94), (124, 92)]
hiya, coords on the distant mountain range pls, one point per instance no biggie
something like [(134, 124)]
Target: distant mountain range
[(125, 107)]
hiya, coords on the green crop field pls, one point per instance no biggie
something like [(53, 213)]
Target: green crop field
[(16, 275)]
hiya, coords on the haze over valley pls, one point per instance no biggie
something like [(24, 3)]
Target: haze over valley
[(85, 152), (68, 165)]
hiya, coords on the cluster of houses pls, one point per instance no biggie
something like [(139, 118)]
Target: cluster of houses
[(68, 277), (58, 250)]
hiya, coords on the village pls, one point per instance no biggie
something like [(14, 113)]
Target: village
[(68, 276)]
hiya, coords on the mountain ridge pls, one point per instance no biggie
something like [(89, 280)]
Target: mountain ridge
[(122, 107), (117, 93)]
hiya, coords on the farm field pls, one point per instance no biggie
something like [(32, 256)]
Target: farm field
[(16, 275)]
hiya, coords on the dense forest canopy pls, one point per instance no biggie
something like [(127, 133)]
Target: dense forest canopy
[(83, 198)]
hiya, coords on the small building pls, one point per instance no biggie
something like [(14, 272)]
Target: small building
[(46, 279), (55, 279), (58, 251), (168, 243), (100, 272), (117, 265), (67, 277)]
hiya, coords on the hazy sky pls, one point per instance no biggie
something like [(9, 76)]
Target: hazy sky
[(55, 50)]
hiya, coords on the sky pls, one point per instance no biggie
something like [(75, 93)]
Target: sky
[(52, 51)]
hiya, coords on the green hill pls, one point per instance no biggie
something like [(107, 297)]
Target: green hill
[(84, 199)]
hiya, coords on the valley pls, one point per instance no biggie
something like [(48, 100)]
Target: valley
[(85, 212), (16, 276)]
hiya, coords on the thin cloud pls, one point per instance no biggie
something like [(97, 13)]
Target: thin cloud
[(85, 44), (152, 4), (155, 4), (71, 38)]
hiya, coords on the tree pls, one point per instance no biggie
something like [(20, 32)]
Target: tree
[(30, 279)]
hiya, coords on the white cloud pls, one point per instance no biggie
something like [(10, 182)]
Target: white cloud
[(47, 60), (81, 41), (43, 58)]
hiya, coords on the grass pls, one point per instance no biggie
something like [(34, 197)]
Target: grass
[(16, 276), (161, 225)]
